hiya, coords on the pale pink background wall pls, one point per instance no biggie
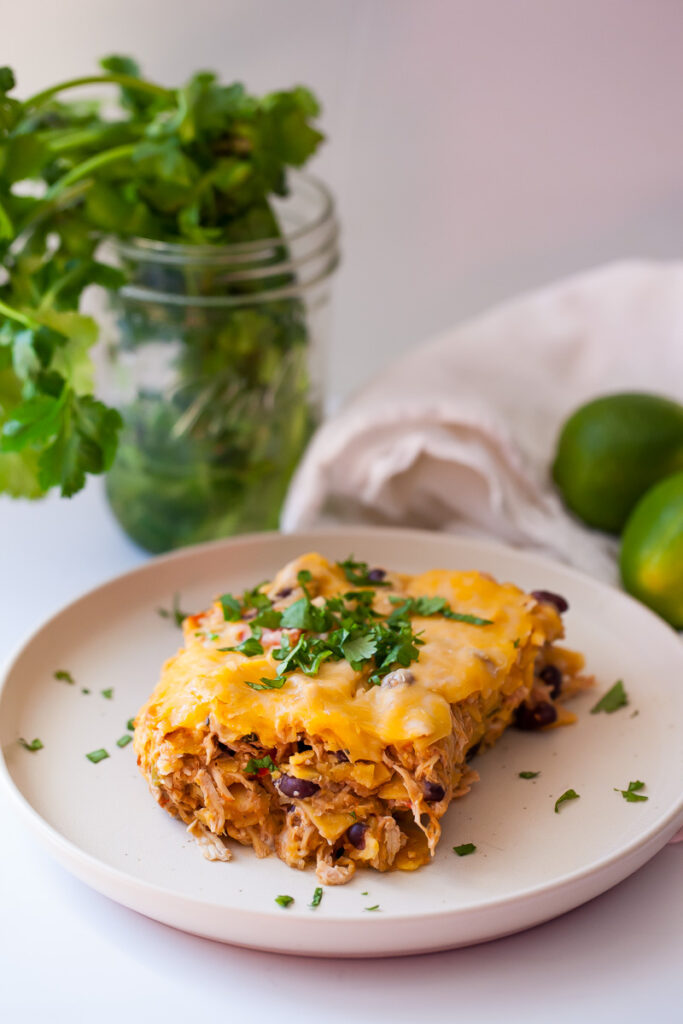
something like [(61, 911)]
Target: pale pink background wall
[(477, 147)]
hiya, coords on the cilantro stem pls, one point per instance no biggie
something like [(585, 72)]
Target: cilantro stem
[(91, 164), (62, 141), (125, 81), (6, 225), (19, 318)]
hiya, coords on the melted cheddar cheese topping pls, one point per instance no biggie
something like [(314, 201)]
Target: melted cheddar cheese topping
[(458, 660)]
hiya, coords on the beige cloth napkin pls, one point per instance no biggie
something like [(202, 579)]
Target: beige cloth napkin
[(459, 434)]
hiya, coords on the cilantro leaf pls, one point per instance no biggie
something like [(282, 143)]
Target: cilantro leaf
[(464, 849), (569, 794), (249, 647), (613, 700), (529, 775), (84, 443), (65, 676), (174, 612), (97, 755), (317, 896), (429, 605), (302, 614), (472, 620), (33, 745), (361, 575), (267, 684), (360, 648), (375, 907), (284, 901), (631, 793), (232, 609), (267, 618)]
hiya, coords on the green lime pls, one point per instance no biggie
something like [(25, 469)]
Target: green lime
[(612, 450), (652, 550)]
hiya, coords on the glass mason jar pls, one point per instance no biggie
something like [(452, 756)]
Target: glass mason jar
[(215, 363)]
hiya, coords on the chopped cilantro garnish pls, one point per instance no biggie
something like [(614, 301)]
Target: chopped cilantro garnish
[(515, 643), (317, 896), (613, 700), (376, 907), (130, 724), (249, 647), (569, 794), (303, 614), (255, 599), (65, 676), (631, 793), (84, 689), (365, 893), (267, 684), (232, 609), (34, 745), (124, 740), (360, 648), (284, 901), (529, 775), (464, 849), (304, 576), (428, 606), (97, 755), (361, 575), (174, 612), (342, 627), (257, 765), (472, 620), (267, 618), (108, 694), (353, 815)]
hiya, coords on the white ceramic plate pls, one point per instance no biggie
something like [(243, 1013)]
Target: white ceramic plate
[(530, 864)]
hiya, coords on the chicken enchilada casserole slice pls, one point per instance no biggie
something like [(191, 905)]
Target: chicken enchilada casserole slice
[(329, 716)]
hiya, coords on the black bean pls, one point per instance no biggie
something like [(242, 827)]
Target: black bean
[(300, 788), (535, 717), (285, 592), (376, 575), (547, 597), (552, 677), (356, 835), (341, 755), (433, 792)]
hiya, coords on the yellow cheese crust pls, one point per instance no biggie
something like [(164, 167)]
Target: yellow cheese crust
[(458, 660)]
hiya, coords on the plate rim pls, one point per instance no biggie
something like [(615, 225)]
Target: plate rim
[(68, 852)]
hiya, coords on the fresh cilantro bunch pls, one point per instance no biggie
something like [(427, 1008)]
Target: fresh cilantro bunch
[(197, 165)]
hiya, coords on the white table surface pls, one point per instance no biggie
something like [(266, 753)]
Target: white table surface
[(69, 954)]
